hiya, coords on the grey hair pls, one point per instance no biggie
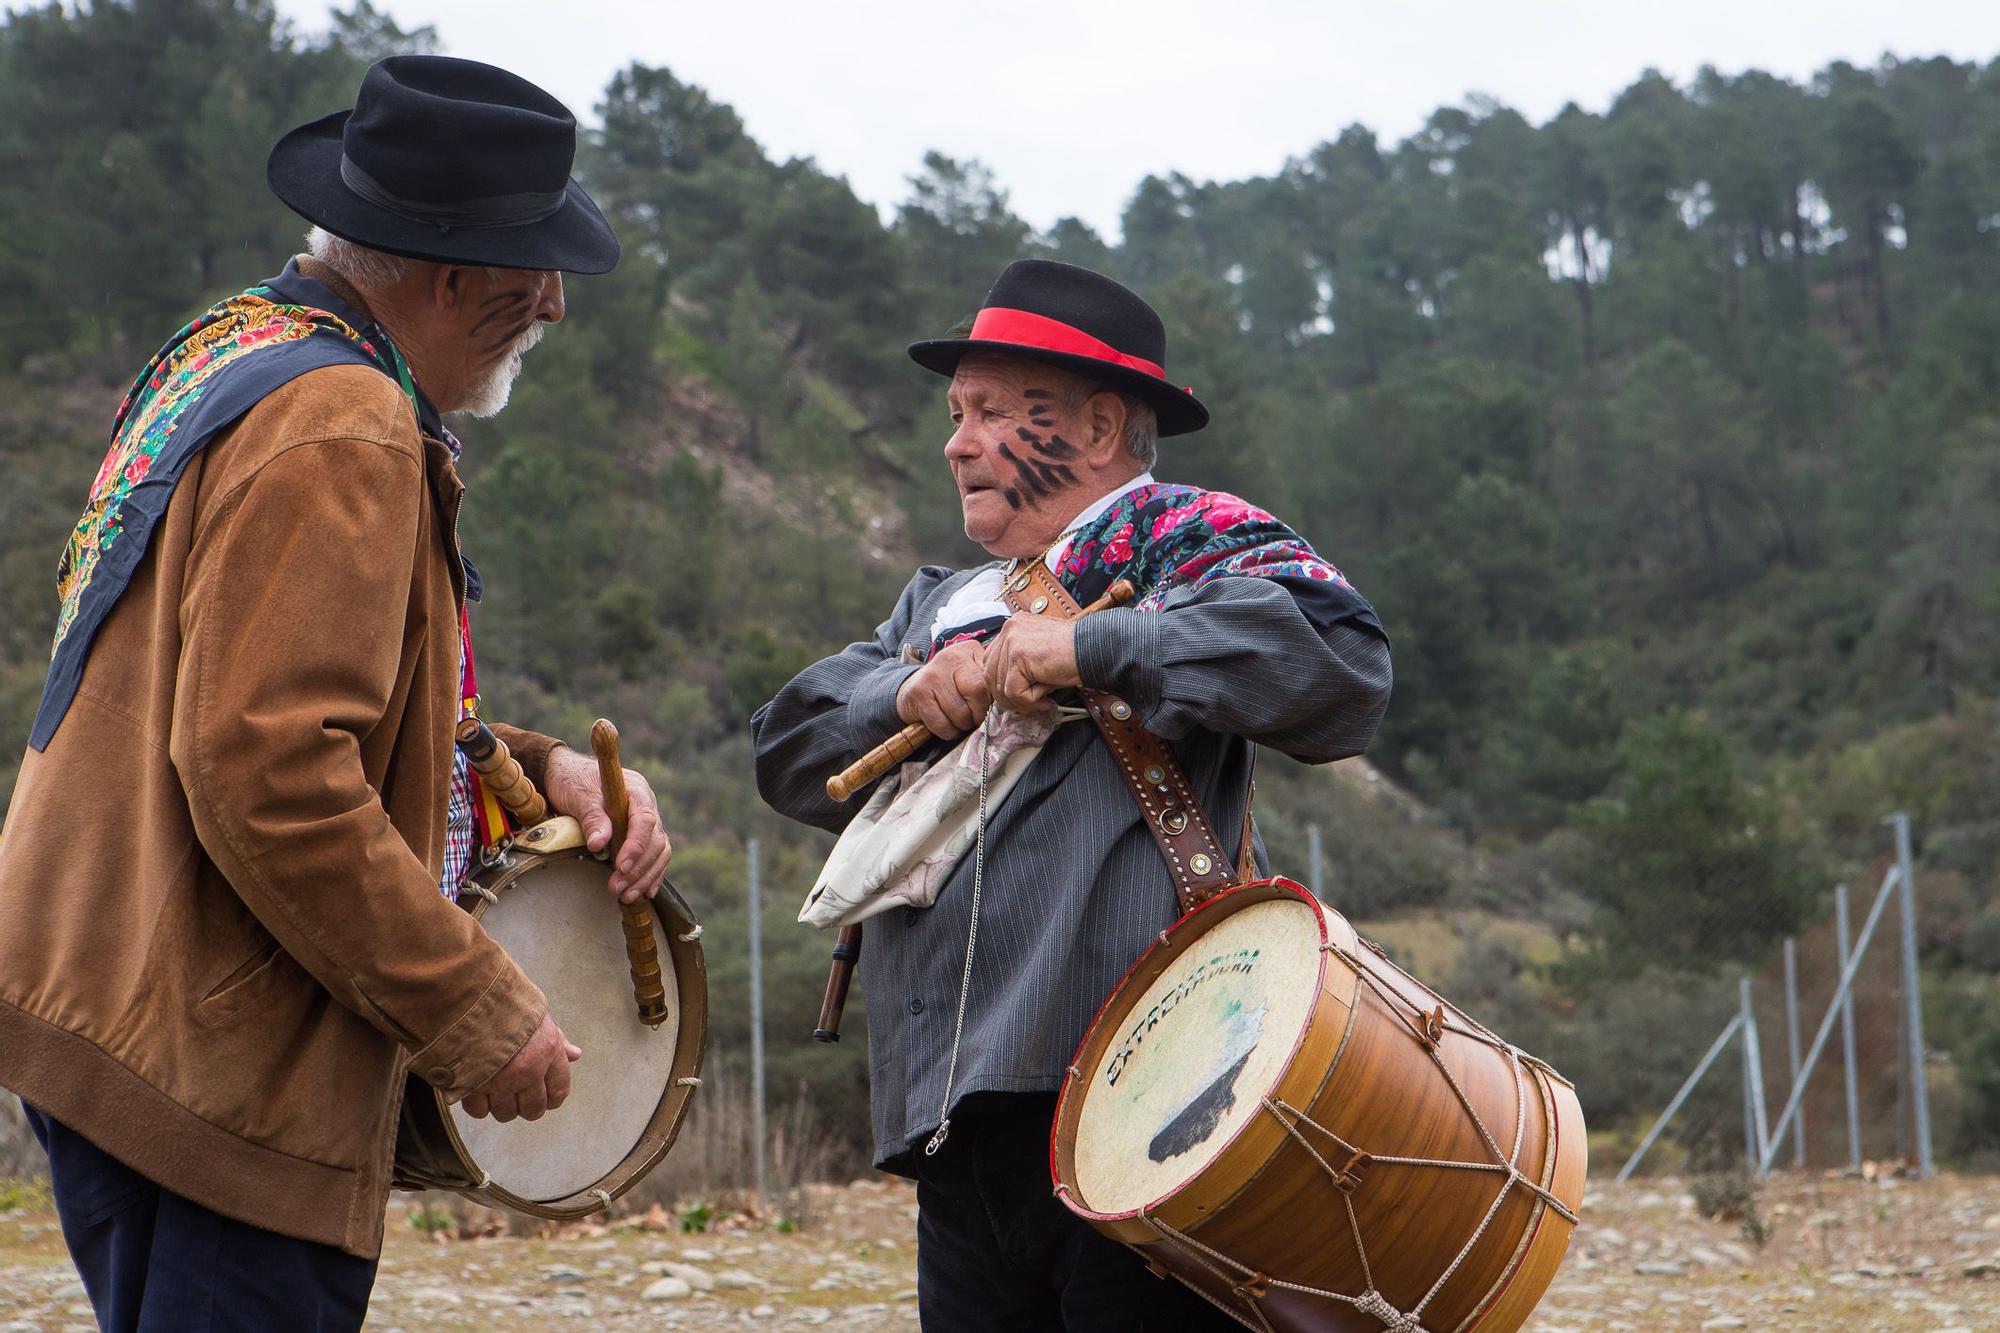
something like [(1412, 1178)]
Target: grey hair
[(1142, 423), (357, 263)]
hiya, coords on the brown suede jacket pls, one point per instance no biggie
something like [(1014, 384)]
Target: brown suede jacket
[(221, 937)]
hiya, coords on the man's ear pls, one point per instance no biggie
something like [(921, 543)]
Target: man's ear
[(1103, 427), (451, 287)]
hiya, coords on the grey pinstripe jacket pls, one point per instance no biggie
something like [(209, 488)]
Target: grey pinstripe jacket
[(1075, 887)]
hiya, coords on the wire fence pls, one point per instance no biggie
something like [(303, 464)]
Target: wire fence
[(1831, 1069)]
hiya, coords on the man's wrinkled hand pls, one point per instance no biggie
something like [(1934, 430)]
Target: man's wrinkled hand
[(1031, 658), (948, 693), (533, 1083), (574, 788)]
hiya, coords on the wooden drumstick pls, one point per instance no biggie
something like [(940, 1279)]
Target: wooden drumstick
[(488, 756), (904, 743), (641, 951)]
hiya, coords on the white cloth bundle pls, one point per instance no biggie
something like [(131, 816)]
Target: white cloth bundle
[(922, 819)]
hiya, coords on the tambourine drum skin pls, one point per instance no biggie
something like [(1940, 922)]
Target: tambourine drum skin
[(1271, 1111), (628, 1094)]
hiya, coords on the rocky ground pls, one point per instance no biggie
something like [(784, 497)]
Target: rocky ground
[(1878, 1256)]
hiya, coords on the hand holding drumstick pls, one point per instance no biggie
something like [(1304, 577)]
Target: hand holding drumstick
[(1029, 659)]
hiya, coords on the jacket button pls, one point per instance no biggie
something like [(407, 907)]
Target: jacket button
[(916, 1005), (441, 1077)]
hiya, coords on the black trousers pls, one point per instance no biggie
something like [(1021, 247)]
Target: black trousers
[(996, 1251), (155, 1262)]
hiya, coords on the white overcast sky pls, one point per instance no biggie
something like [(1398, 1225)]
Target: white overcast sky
[(1073, 103)]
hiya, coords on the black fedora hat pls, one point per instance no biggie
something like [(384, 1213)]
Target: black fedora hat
[(449, 160), (1079, 320)]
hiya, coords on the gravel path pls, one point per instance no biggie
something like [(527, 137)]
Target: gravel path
[(1840, 1255)]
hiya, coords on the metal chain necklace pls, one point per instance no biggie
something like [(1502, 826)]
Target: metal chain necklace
[(971, 935)]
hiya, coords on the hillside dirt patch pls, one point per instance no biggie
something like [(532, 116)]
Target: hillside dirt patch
[(1840, 1255)]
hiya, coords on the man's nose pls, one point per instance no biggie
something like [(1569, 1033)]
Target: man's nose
[(551, 308), (961, 447)]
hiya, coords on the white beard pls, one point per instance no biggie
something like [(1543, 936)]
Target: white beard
[(490, 393)]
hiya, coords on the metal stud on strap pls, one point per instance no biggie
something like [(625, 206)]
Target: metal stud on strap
[(1039, 605), (1121, 710), (1174, 820), (1155, 774), (1199, 862)]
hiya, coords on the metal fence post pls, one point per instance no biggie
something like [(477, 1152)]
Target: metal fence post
[(1840, 993), (1660, 1125), (1751, 1148), (1913, 1006), (1756, 1128), (757, 1015), (1313, 861), (1792, 1044), (1847, 1037)]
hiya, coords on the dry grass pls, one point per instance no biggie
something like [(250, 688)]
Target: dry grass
[(1428, 943)]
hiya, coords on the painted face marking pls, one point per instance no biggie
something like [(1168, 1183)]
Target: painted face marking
[(1037, 488), (512, 313), (1055, 447), (505, 306)]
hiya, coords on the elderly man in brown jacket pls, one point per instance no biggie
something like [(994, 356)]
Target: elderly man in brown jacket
[(222, 936)]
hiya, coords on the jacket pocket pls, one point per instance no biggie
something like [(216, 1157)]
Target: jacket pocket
[(249, 982)]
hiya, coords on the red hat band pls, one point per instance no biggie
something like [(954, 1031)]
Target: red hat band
[(1025, 328)]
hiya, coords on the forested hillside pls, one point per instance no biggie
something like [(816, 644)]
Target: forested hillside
[(1666, 439)]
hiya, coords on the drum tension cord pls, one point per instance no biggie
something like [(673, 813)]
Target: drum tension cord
[(1428, 1029)]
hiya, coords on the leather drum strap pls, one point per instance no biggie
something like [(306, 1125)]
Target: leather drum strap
[(1199, 866)]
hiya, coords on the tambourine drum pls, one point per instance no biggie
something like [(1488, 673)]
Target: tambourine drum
[(557, 919), (1271, 1111)]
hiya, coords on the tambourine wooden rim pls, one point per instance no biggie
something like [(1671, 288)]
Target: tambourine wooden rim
[(690, 1045)]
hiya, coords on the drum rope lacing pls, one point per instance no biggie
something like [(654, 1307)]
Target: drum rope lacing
[(1250, 1284), (971, 941)]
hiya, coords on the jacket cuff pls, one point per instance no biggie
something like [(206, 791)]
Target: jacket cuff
[(871, 710), (485, 1037), (1118, 650)]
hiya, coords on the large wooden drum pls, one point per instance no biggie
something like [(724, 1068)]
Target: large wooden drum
[(1272, 1112), (628, 1094)]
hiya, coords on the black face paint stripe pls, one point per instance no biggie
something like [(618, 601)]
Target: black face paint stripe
[(1036, 486), (1055, 474), (1013, 498), (515, 304), (1056, 447), (506, 337), (1028, 436)]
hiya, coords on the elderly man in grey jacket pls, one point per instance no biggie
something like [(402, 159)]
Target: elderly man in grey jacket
[(1240, 635)]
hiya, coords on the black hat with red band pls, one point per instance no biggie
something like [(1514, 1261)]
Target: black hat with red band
[(1082, 321)]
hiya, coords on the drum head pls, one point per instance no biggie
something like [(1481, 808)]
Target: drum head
[(1192, 1055), (561, 925)]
